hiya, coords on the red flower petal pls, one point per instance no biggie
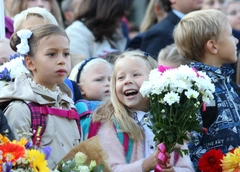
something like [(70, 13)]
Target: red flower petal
[(210, 161)]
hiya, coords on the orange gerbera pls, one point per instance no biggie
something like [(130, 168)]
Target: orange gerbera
[(12, 152)]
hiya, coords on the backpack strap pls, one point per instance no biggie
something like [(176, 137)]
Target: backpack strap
[(209, 113), (90, 128), (39, 118)]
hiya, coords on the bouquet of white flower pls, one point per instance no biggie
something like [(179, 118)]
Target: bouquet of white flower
[(10, 70), (176, 95)]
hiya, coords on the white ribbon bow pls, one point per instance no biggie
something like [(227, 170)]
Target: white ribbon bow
[(23, 47)]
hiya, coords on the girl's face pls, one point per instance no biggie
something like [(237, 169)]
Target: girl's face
[(39, 3), (233, 14), (130, 74), (95, 83), (51, 62)]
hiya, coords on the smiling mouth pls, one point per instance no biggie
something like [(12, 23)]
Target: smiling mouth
[(130, 92)]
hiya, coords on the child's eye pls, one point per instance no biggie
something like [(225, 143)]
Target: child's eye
[(99, 79), (137, 74), (232, 13), (120, 78), (66, 54), (51, 54)]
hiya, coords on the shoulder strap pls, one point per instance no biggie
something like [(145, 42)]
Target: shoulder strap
[(38, 119), (38, 123)]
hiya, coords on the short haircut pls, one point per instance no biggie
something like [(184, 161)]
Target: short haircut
[(34, 11), (195, 29), (170, 54)]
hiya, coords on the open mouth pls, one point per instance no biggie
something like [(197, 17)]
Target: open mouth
[(130, 92)]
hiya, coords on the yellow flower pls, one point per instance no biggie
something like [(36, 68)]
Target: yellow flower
[(3, 139), (231, 161), (22, 141), (37, 160)]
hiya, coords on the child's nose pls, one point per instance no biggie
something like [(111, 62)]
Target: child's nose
[(61, 60), (128, 80)]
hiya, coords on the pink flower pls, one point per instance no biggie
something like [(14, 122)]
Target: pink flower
[(162, 69)]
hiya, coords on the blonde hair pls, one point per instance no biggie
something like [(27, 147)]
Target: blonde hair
[(114, 109), (170, 54), (195, 29), (85, 69), (34, 11), (150, 17)]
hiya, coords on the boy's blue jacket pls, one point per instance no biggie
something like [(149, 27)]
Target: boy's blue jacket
[(224, 132)]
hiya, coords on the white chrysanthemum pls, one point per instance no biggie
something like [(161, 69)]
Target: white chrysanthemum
[(80, 158), (146, 88), (171, 98), (154, 75), (191, 94)]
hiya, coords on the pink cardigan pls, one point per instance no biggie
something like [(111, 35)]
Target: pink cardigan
[(112, 146)]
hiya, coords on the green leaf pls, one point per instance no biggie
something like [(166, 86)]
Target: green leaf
[(99, 168)]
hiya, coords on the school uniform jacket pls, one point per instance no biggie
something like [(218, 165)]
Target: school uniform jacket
[(61, 134), (160, 35)]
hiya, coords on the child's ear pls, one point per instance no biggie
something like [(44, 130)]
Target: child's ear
[(211, 46), (81, 89), (29, 63)]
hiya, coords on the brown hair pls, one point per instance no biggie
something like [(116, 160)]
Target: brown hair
[(102, 16), (38, 33)]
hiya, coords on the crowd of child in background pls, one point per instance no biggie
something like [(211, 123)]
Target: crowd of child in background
[(84, 52)]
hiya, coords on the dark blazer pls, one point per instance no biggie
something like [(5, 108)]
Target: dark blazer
[(160, 35)]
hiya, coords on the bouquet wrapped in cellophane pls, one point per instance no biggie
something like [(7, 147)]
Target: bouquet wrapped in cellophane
[(176, 95)]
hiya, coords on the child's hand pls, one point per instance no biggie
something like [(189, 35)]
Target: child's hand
[(151, 162), (167, 167)]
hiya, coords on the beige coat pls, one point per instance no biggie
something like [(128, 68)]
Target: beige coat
[(61, 134)]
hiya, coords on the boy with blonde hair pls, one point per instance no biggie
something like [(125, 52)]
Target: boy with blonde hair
[(205, 38)]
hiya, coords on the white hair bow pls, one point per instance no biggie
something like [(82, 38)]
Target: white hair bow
[(23, 47)]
